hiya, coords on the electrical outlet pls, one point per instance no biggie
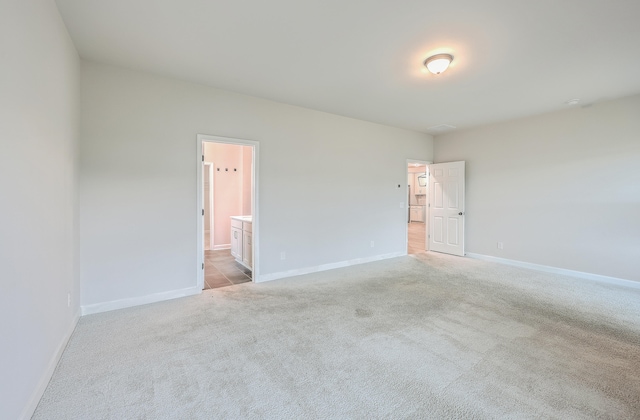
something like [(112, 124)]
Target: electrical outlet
[(372, 244), (283, 255), (68, 300), (500, 245)]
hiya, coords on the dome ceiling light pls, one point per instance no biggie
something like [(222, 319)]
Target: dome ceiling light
[(438, 63)]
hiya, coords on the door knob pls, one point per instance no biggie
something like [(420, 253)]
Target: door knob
[(460, 214)]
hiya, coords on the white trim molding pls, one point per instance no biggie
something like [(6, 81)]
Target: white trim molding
[(325, 267), (140, 300), (30, 408), (555, 270), (255, 211)]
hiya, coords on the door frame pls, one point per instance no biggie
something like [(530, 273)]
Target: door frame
[(255, 228), (406, 230)]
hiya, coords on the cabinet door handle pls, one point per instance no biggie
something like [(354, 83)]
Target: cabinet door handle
[(235, 234)]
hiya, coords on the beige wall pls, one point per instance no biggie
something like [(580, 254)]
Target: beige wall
[(317, 174), (560, 189), (39, 112)]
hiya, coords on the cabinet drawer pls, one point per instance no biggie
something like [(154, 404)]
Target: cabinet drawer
[(236, 224)]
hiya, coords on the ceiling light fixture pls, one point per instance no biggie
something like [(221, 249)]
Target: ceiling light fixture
[(438, 63)]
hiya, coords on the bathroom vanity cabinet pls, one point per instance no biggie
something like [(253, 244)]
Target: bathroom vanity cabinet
[(242, 240)]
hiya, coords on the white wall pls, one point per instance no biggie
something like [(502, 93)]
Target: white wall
[(560, 189), (39, 98), (328, 184)]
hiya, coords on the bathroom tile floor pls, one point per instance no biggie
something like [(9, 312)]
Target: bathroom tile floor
[(221, 269)]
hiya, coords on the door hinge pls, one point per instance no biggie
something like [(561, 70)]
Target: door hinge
[(203, 212), (203, 158), (203, 266)]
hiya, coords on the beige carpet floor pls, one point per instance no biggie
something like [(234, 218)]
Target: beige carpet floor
[(431, 336)]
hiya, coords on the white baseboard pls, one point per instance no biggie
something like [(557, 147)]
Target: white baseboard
[(556, 270), (141, 300), (219, 247), (324, 267), (30, 408)]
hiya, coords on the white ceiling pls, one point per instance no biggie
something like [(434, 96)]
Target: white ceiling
[(363, 58)]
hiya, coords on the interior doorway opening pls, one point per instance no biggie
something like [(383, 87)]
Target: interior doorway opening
[(417, 206), (227, 219)]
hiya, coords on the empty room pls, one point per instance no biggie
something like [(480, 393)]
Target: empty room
[(319, 209)]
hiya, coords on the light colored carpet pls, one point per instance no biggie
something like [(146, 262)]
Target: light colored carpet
[(431, 336)]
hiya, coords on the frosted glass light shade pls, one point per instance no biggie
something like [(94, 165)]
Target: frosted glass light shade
[(438, 63)]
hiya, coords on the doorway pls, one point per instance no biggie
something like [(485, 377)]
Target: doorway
[(417, 206), (227, 211)]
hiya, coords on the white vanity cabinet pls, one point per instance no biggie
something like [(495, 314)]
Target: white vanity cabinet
[(416, 213), (236, 242), (242, 240)]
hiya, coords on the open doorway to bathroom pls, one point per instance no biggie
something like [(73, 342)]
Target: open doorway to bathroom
[(226, 191), (417, 208)]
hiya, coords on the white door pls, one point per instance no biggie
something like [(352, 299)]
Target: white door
[(446, 199)]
